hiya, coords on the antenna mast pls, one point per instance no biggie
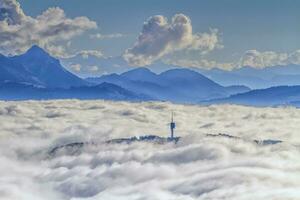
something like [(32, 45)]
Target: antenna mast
[(172, 126)]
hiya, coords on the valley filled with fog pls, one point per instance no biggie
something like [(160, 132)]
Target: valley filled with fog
[(197, 167)]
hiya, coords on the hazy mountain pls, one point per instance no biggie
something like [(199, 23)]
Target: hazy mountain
[(140, 74), (18, 91), (11, 71), (281, 95), (191, 85), (178, 85), (46, 69), (237, 89)]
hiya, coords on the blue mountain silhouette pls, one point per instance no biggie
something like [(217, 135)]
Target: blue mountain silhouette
[(177, 85), (274, 96), (19, 91), (47, 69), (37, 75), (11, 71)]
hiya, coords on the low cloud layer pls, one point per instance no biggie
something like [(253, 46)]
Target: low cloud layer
[(259, 59), (18, 31), (198, 167), (252, 58), (107, 36), (160, 37)]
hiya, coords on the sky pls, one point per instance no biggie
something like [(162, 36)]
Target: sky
[(207, 33)]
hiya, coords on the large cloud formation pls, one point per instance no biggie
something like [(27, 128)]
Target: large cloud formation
[(197, 168), (160, 37), (18, 31)]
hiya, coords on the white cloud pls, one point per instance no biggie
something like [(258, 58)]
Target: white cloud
[(295, 57), (197, 168), (258, 59), (108, 36), (78, 68), (11, 12), (93, 68), (264, 59), (61, 52), (58, 51), (75, 67), (86, 53), (252, 58), (203, 63), (18, 31), (160, 37)]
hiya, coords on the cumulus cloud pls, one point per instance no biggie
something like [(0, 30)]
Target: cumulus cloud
[(258, 59), (93, 68), (78, 68), (264, 59), (18, 31), (75, 67), (196, 168), (202, 63), (86, 53), (11, 12), (108, 36), (160, 37), (295, 57), (252, 58)]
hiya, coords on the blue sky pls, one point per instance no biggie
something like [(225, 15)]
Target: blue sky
[(263, 26)]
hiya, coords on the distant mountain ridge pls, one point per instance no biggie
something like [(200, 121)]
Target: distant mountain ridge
[(18, 91), (274, 96), (177, 85)]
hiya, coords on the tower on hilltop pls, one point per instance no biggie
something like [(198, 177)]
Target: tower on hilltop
[(172, 126)]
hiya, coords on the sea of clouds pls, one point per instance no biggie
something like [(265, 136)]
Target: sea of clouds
[(198, 167)]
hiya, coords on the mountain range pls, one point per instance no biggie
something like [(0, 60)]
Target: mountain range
[(21, 91), (252, 77), (176, 85), (37, 75)]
